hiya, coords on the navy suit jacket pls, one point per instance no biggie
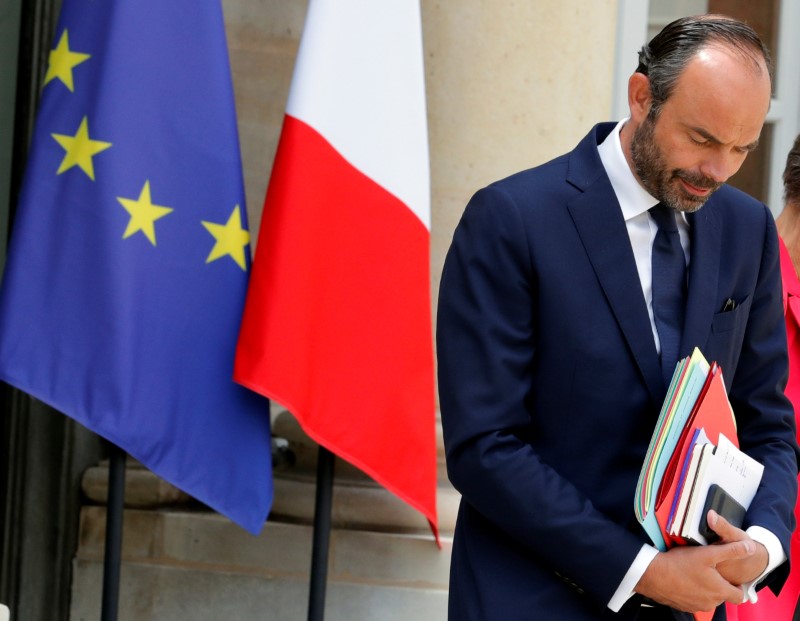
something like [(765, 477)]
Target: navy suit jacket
[(550, 383)]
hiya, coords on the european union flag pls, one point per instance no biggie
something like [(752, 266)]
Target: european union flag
[(129, 257)]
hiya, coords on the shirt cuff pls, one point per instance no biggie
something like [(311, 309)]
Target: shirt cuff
[(775, 556), (635, 572)]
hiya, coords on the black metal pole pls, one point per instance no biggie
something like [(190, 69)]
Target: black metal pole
[(112, 560), (322, 535)]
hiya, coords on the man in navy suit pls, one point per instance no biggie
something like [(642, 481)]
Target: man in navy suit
[(552, 360)]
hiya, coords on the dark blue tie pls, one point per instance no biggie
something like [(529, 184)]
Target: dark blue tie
[(669, 287)]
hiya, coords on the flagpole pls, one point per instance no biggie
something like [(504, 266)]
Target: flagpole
[(322, 531), (112, 560)]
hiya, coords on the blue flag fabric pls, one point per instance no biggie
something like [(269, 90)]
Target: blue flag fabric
[(129, 258)]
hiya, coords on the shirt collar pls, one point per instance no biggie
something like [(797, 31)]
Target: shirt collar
[(633, 199)]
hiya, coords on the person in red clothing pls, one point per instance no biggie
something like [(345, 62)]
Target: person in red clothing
[(785, 606)]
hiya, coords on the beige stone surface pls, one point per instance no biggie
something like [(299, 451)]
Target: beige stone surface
[(510, 84), (361, 505), (358, 501), (166, 593), (193, 539), (142, 487), (263, 37), (184, 565)]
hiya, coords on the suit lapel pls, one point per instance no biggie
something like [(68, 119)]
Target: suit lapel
[(598, 220), (599, 223), (703, 276)]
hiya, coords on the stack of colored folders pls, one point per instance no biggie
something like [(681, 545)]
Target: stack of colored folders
[(696, 399)]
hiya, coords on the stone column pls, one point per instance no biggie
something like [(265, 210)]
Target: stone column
[(510, 85)]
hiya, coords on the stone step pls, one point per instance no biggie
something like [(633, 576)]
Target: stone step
[(182, 564)]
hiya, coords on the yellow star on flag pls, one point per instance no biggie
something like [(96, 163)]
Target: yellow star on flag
[(80, 149), (63, 61), (231, 238), (143, 214)]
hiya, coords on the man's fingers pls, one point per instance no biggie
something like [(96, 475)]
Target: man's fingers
[(725, 530), (732, 551)]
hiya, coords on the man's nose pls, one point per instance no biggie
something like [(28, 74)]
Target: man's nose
[(722, 165)]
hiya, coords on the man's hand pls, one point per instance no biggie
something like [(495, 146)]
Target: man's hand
[(689, 578), (741, 570)]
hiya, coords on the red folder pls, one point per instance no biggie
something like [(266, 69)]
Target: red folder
[(713, 413)]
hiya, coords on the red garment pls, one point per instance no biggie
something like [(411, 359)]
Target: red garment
[(769, 607)]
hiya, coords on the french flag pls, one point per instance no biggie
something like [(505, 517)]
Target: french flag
[(337, 323)]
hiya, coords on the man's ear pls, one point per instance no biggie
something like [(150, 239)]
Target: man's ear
[(639, 97)]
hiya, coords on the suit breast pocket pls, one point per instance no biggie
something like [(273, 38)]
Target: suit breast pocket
[(728, 320), (727, 334)]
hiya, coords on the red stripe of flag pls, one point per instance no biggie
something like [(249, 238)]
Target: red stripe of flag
[(337, 323)]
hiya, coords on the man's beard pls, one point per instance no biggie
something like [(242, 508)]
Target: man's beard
[(650, 165)]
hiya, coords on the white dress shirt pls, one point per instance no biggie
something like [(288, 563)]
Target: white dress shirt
[(634, 202)]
